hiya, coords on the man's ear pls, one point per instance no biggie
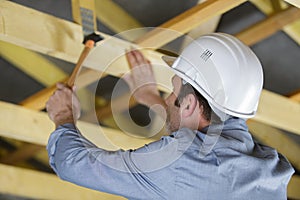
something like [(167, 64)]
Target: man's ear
[(188, 105)]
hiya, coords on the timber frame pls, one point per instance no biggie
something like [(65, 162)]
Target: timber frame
[(34, 127)]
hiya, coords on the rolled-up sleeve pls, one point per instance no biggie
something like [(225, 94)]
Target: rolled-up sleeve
[(77, 160)]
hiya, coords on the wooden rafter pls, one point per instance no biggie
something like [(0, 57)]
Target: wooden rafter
[(269, 26), (293, 29), (186, 21), (27, 183), (279, 117), (295, 180), (31, 63), (35, 127)]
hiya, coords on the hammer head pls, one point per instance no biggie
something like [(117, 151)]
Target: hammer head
[(94, 37)]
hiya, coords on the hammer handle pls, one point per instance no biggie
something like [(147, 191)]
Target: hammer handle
[(87, 48)]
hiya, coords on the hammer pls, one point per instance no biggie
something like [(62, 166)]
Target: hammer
[(89, 42)]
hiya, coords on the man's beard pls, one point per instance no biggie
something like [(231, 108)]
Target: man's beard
[(172, 125)]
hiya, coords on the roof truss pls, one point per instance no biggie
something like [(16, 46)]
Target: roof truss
[(67, 47)]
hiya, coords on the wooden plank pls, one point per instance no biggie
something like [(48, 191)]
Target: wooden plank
[(294, 2), (293, 187), (46, 34), (35, 127), (38, 185), (186, 21), (293, 29), (40, 69), (276, 110), (209, 26), (31, 63), (269, 26), (266, 6)]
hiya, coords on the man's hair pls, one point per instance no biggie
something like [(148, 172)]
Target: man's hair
[(189, 89)]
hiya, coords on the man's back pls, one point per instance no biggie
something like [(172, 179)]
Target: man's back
[(236, 168)]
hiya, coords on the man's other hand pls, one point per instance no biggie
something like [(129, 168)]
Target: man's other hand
[(141, 79)]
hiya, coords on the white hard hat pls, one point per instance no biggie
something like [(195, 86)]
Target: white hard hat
[(224, 70)]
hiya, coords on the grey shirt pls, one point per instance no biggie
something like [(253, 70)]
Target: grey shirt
[(173, 167)]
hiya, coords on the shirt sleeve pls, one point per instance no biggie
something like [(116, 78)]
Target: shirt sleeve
[(125, 173)]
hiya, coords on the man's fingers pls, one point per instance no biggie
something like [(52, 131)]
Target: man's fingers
[(131, 59), (60, 86), (139, 57), (135, 58)]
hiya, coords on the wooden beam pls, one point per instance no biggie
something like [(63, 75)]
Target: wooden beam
[(31, 63), (293, 187), (276, 110), (35, 127), (46, 34), (293, 29), (209, 26), (269, 26), (38, 68), (38, 185), (294, 2), (186, 21)]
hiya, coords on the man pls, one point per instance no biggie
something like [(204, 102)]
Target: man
[(209, 153)]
